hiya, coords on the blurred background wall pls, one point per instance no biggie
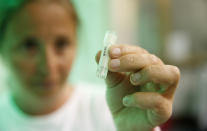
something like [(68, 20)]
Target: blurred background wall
[(94, 22)]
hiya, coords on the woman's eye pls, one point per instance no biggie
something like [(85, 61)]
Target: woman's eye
[(30, 47), (30, 44), (61, 43)]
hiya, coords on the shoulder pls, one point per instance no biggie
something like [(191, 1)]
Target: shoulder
[(5, 103), (90, 88), (93, 97), (4, 99), (5, 108), (91, 94)]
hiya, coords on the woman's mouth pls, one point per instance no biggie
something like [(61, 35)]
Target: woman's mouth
[(45, 84)]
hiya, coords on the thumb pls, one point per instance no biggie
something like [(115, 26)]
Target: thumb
[(98, 55)]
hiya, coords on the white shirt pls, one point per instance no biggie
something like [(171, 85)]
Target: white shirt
[(86, 110)]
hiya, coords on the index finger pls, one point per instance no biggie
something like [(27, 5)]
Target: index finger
[(118, 50)]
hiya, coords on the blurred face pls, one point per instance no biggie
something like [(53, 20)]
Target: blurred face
[(39, 47)]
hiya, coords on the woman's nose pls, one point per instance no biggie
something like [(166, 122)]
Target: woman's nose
[(48, 62)]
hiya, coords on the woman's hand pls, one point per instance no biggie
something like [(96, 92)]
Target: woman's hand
[(140, 88)]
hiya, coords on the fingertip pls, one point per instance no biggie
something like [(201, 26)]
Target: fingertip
[(113, 46), (114, 64), (114, 52), (176, 72), (128, 101), (135, 79)]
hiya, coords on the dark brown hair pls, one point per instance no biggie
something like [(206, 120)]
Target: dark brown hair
[(8, 8)]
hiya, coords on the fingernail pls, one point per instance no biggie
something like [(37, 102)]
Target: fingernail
[(135, 78), (126, 101), (116, 52), (115, 63)]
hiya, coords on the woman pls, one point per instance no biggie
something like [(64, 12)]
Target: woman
[(38, 45)]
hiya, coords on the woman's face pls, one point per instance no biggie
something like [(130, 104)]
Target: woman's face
[(39, 47)]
